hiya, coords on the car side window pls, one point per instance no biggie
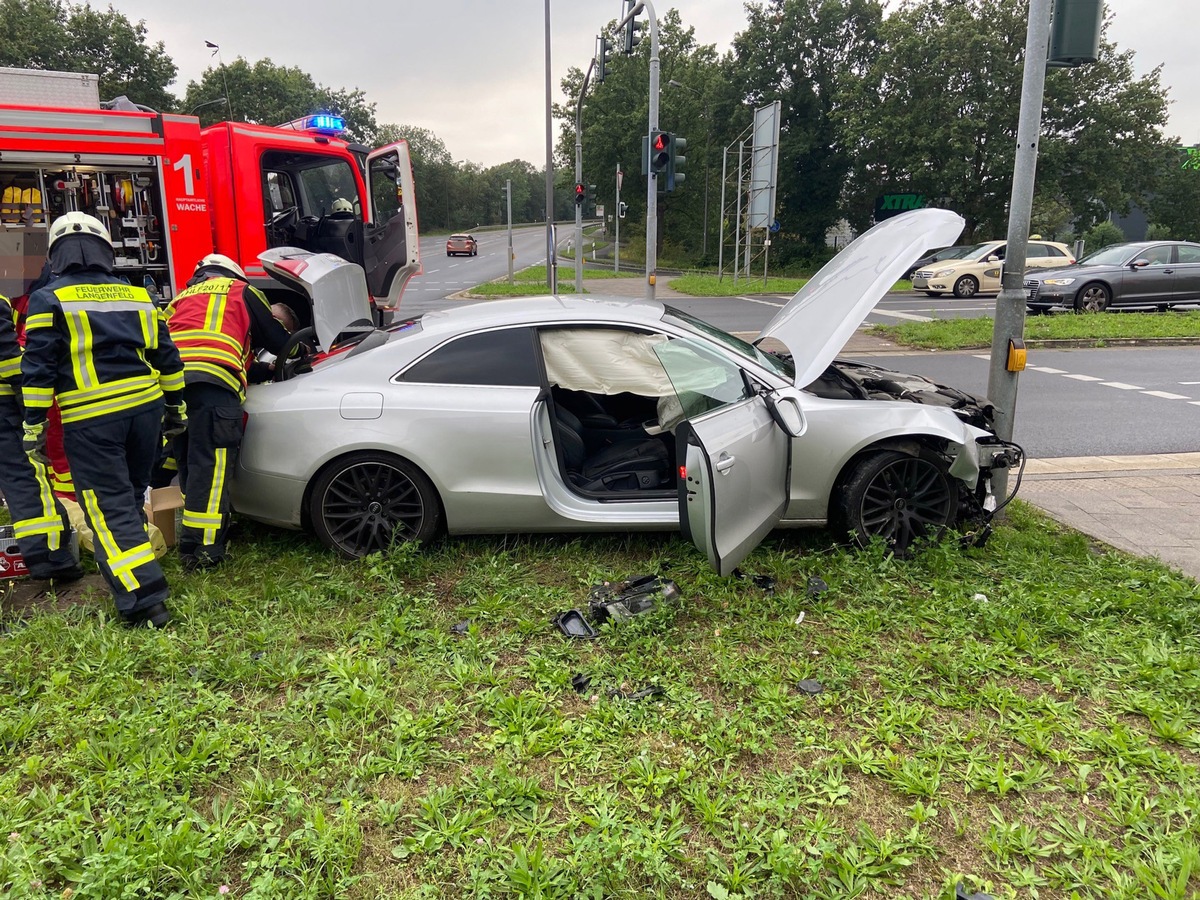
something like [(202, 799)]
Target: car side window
[(1159, 256), (1051, 250), (702, 379), (1188, 253), (1036, 251), (504, 358)]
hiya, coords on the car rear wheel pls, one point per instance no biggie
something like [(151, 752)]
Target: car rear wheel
[(1093, 297), (368, 501), (966, 287), (897, 497)]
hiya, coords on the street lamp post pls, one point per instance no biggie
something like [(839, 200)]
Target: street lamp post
[(707, 141), (579, 177), (551, 260)]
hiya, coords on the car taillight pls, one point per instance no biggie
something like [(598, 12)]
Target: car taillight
[(683, 473)]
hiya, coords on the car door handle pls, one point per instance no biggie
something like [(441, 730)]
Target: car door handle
[(725, 463), (1168, 271)]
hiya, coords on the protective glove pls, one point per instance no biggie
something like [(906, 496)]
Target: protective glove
[(34, 443), (174, 421)]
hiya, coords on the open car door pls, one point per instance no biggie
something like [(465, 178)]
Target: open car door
[(733, 450), (392, 253)]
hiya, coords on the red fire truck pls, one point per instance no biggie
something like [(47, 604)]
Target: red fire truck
[(172, 191)]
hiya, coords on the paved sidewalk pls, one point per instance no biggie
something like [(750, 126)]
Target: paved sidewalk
[(1147, 505)]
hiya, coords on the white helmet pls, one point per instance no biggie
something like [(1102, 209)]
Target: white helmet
[(221, 261), (342, 205), (78, 223)]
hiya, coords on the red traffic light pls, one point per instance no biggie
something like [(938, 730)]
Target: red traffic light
[(660, 141), (579, 188)]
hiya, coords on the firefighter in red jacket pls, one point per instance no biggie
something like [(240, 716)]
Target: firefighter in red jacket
[(100, 347), (217, 323)]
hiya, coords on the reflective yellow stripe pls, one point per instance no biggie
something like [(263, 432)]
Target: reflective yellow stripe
[(129, 560), (199, 519), (107, 541), (81, 350), (208, 354), (49, 516), (37, 397), (219, 372), (111, 389), (221, 458), (186, 336), (149, 324), (120, 404), (10, 368), (216, 313), (172, 382), (39, 320), (7, 390)]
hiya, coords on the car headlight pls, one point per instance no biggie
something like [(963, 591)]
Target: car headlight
[(1058, 281), (941, 273)]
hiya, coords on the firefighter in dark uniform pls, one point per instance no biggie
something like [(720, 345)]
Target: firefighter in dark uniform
[(217, 323), (102, 348), (40, 524)]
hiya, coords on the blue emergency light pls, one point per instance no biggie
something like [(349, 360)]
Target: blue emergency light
[(325, 124)]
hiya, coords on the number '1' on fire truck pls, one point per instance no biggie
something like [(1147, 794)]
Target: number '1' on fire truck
[(172, 192)]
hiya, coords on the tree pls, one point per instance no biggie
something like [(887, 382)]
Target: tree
[(936, 114), (1175, 204), (268, 94), (802, 53), (48, 34)]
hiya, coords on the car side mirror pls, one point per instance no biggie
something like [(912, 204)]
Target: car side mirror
[(1140, 263), (993, 258), (786, 412)]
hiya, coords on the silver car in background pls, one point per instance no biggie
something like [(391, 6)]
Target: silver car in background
[(562, 414)]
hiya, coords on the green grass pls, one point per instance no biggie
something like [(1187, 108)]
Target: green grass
[(960, 334), (532, 282), (700, 284), (310, 728)]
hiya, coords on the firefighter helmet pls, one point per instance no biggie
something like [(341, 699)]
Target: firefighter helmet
[(221, 261), (73, 223), (342, 205)]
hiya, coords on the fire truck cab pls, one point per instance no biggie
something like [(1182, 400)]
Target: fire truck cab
[(172, 192)]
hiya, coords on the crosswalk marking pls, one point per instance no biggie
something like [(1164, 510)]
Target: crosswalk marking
[(1122, 386), (1165, 395), (1083, 377)]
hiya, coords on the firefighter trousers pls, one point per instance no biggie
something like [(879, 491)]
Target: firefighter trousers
[(111, 460), (39, 522), (206, 455)]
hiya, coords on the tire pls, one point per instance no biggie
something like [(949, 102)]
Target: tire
[(897, 497), (1036, 310), (1093, 297), (966, 287), (935, 293), (368, 501)]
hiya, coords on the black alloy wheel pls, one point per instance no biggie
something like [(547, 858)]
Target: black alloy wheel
[(1093, 297), (966, 287), (899, 498), (367, 502)]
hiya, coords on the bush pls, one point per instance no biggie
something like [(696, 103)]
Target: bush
[(1101, 235), (1156, 232)]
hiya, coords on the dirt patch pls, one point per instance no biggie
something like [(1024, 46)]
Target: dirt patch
[(24, 597)]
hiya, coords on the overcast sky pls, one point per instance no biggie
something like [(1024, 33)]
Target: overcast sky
[(472, 71)]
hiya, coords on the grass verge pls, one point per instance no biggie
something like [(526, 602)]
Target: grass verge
[(700, 284), (962, 334), (532, 282), (1023, 717)]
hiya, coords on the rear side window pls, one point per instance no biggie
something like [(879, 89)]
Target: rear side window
[(1036, 250), (1188, 253), (1051, 250), (496, 358)]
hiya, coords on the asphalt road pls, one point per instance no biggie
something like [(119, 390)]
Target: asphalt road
[(444, 275)]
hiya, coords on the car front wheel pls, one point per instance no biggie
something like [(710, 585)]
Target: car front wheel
[(897, 497), (1093, 297), (368, 501), (966, 287)]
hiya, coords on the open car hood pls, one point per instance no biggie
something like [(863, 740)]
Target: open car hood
[(336, 289), (817, 322)]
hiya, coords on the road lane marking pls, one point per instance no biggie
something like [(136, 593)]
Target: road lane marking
[(1083, 377), (431, 272), (1047, 370), (454, 265), (1122, 386), (982, 356), (899, 315), (1189, 382), (1166, 395), (763, 302)]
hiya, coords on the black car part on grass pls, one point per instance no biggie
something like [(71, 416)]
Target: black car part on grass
[(810, 686), (816, 586), (463, 627), (651, 691), (1014, 455), (573, 625), (960, 893), (765, 583), (580, 682), (636, 595)]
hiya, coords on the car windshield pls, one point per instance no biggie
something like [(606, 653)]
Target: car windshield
[(951, 253), (778, 365), (975, 250), (1109, 256)]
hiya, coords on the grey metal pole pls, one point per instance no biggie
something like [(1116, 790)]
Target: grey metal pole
[(617, 226), (579, 177), (651, 181), (737, 234), (551, 260), (1010, 304), (721, 217), (508, 191)]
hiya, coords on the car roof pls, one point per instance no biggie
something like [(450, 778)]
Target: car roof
[(541, 310), (453, 236)]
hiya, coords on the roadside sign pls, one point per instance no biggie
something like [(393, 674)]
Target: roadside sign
[(775, 227), (599, 211)]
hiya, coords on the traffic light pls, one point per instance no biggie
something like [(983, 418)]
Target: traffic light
[(589, 201), (1075, 32), (632, 29), (660, 153), (580, 193), (675, 162), (603, 58)]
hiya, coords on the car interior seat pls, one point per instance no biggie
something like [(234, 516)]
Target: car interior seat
[(632, 464)]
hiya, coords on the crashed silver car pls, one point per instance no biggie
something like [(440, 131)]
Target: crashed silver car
[(562, 414)]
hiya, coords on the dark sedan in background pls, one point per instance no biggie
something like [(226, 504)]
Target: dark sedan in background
[(1156, 274)]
